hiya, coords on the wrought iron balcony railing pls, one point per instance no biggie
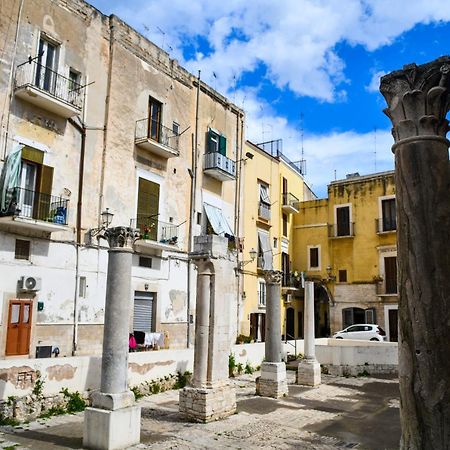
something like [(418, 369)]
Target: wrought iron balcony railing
[(150, 128), (31, 73), (264, 211), (336, 230), (153, 229), (385, 225), (215, 161), (37, 205)]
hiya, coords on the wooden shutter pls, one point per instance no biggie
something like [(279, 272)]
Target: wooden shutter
[(33, 155), (148, 207), (223, 145), (42, 205), (390, 271), (343, 221)]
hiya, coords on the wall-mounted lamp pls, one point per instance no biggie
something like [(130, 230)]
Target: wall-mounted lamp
[(253, 254), (248, 156), (106, 217)]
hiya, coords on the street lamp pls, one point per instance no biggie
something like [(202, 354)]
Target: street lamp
[(253, 254), (106, 217)]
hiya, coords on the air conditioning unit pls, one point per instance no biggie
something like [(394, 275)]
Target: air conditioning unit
[(29, 284)]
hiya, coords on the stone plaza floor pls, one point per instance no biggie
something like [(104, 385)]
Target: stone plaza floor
[(342, 413)]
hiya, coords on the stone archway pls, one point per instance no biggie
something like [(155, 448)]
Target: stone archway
[(322, 300)]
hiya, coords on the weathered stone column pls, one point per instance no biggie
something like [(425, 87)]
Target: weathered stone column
[(308, 371), (113, 422), (211, 397), (418, 102), (273, 381)]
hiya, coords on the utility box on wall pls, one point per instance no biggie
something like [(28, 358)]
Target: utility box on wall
[(44, 351)]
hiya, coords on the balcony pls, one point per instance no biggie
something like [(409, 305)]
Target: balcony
[(341, 230), (260, 262), (153, 136), (33, 210), (290, 203), (219, 166), (385, 225), (264, 211), (41, 86), (155, 234)]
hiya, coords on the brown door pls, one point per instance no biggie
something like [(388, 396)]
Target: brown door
[(390, 270), (393, 325), (154, 119), (19, 327)]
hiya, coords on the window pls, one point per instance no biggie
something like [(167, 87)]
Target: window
[(144, 311), (314, 257), (176, 128), (264, 251), (342, 276), (370, 315), (388, 211), (199, 218), (74, 85), (145, 262), (275, 242), (390, 274), (343, 221), (285, 187), (216, 143), (82, 286), (264, 201), (148, 208), (154, 119), (261, 293), (285, 268), (22, 250), (47, 61), (285, 225)]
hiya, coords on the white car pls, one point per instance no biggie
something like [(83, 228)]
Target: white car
[(364, 331)]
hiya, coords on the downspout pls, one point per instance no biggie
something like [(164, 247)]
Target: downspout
[(193, 175)]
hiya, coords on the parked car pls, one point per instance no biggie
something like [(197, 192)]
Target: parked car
[(364, 331)]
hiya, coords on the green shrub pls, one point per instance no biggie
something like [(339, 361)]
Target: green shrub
[(8, 421), (248, 368), (156, 388), (239, 368), (75, 403), (182, 379), (243, 339), (137, 393)]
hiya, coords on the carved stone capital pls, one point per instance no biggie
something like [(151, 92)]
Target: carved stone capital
[(418, 100), (121, 237), (273, 276)]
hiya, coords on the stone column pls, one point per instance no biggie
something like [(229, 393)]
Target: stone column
[(418, 101), (211, 397), (113, 422), (273, 381), (308, 371)]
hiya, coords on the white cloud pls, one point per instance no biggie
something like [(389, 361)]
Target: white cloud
[(374, 85)]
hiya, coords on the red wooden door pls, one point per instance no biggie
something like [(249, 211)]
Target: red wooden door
[(19, 327)]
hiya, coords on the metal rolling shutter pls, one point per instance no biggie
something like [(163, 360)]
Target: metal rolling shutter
[(143, 311)]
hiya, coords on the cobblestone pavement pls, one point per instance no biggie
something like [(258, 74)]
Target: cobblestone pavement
[(342, 413)]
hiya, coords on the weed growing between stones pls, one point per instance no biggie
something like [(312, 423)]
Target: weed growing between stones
[(38, 387), (231, 365), (137, 393), (8, 421), (248, 369)]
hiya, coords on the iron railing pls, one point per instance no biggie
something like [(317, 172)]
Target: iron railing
[(153, 129), (336, 230), (275, 148), (37, 205), (290, 200), (216, 160), (264, 211), (31, 73), (384, 225), (153, 229)]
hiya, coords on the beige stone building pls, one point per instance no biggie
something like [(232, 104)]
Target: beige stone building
[(97, 120)]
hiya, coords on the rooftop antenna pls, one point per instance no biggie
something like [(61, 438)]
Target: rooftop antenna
[(375, 147), (302, 135)]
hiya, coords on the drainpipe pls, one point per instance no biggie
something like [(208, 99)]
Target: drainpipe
[(193, 175)]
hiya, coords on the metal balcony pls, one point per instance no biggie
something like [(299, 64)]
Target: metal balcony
[(385, 225), (219, 166), (43, 87), (290, 203), (154, 233), (264, 211), (35, 211), (338, 230), (153, 136)]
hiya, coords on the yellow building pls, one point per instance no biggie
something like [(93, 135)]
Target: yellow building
[(347, 245), (273, 188)]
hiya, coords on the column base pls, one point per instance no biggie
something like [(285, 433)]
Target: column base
[(308, 372), (207, 404), (112, 430), (273, 380)]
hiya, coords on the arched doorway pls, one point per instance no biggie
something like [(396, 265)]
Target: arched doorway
[(290, 323), (321, 311)]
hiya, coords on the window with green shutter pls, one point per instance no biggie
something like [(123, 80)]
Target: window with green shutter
[(216, 143), (223, 145)]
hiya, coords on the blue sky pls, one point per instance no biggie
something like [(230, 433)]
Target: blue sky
[(279, 60)]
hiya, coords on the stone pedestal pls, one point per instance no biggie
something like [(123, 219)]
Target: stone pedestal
[(208, 404), (273, 381), (114, 421), (211, 397), (308, 371)]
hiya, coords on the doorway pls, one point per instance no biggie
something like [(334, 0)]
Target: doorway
[(290, 323), (19, 327), (393, 325), (154, 119)]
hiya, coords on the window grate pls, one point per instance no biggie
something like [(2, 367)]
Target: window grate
[(22, 250)]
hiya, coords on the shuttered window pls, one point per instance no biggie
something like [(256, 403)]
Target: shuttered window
[(216, 143), (148, 208), (390, 272), (343, 221), (143, 318), (389, 214)]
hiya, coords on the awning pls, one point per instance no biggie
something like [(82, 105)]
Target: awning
[(218, 221), (266, 249), (10, 177)]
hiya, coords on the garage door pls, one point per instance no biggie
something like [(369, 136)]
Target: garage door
[(143, 311)]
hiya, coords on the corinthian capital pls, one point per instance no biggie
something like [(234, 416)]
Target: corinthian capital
[(418, 99), (121, 237), (273, 276)]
